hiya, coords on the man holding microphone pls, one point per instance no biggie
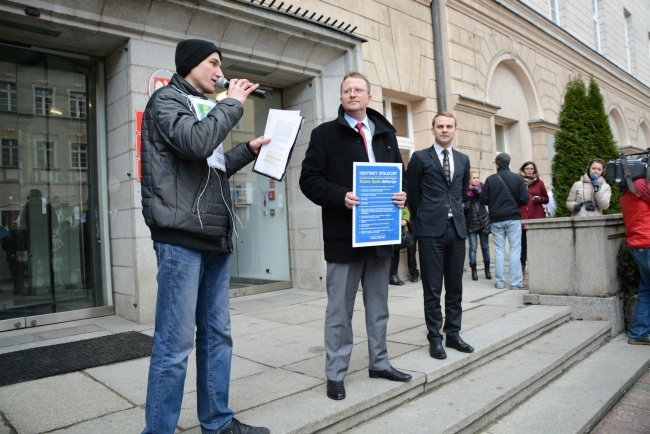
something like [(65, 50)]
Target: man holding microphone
[(185, 203)]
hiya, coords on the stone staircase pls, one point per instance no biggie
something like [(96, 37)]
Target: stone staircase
[(533, 370)]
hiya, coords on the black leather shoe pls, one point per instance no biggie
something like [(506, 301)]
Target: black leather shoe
[(459, 345), (436, 351), (391, 374), (335, 390), (395, 280), (414, 279)]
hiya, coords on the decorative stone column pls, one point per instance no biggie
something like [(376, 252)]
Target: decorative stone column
[(572, 262)]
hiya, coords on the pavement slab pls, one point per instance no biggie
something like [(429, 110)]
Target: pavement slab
[(126, 421), (57, 402), (247, 324), (281, 346), (287, 314)]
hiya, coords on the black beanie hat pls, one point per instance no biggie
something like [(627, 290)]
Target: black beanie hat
[(191, 52), (503, 160)]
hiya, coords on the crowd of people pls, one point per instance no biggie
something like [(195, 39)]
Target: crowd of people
[(185, 203)]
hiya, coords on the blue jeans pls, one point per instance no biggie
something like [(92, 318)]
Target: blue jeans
[(192, 290), (641, 325), (512, 230), (485, 246)]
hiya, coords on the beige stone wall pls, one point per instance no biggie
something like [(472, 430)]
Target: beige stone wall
[(398, 56), (485, 38), (576, 18)]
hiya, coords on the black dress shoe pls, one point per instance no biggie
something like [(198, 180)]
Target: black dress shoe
[(436, 351), (335, 390), (414, 279), (395, 280), (391, 374), (459, 345)]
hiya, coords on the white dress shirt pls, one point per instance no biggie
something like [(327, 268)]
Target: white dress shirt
[(441, 156), (366, 130)]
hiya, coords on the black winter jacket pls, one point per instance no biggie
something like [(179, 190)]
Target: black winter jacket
[(502, 200), (177, 184), (476, 216), (326, 177)]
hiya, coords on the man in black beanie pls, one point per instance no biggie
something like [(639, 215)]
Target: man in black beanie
[(503, 193), (185, 203)]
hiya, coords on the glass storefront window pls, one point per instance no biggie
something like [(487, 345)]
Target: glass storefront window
[(261, 256), (50, 258)]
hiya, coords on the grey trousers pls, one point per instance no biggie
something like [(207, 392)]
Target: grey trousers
[(342, 284)]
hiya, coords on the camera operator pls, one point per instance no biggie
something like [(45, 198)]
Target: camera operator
[(591, 194), (636, 217)]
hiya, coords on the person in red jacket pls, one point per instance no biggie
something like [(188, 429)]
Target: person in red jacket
[(636, 217), (534, 209)]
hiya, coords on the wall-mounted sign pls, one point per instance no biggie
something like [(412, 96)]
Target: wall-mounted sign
[(138, 144), (158, 79)]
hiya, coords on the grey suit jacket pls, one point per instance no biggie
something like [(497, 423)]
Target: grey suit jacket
[(429, 194)]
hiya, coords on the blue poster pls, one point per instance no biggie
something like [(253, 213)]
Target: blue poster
[(376, 220)]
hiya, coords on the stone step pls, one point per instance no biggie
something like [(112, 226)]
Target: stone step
[(483, 394), (312, 411), (596, 383)]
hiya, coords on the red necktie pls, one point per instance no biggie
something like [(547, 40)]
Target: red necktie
[(360, 129)]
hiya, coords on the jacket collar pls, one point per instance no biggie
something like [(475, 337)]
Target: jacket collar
[(181, 84), (381, 123)]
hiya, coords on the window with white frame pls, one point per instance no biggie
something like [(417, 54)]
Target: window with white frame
[(77, 104), (500, 136), (45, 155), (8, 96), (43, 100), (596, 25), (555, 13), (9, 152), (399, 114), (78, 155), (627, 24)]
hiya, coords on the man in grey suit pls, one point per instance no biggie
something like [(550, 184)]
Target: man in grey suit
[(438, 179), (358, 134)]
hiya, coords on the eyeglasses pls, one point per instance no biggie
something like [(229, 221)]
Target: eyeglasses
[(355, 90)]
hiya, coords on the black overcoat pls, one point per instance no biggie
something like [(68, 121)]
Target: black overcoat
[(326, 177)]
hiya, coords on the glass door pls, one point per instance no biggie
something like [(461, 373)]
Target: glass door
[(49, 262), (261, 257)]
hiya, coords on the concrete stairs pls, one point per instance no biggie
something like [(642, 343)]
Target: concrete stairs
[(533, 370), (560, 382), (596, 383), (515, 355)]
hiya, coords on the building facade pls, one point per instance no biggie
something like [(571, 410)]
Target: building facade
[(74, 74)]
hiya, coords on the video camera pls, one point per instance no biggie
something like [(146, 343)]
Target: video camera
[(625, 170)]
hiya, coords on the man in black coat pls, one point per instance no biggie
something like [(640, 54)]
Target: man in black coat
[(438, 178), (503, 193), (359, 134)]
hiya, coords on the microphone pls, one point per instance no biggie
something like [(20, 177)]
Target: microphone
[(594, 182), (223, 83)]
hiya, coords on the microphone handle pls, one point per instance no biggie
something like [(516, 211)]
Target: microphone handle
[(257, 93)]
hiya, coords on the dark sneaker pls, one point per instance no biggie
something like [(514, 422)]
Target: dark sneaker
[(642, 341), (236, 427)]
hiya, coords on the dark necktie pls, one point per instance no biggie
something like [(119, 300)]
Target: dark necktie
[(360, 129), (445, 166)]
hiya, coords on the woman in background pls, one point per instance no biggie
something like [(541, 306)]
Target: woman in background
[(591, 194), (534, 209), (477, 222)]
